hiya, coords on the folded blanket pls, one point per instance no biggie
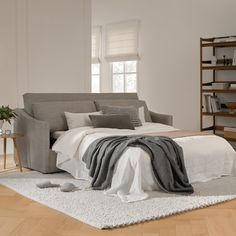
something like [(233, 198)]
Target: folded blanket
[(165, 154)]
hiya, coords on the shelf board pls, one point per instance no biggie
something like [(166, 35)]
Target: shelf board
[(218, 67), (230, 139), (220, 81), (219, 90), (221, 128), (217, 128), (219, 62), (225, 114), (208, 128), (223, 81), (220, 44), (207, 83)]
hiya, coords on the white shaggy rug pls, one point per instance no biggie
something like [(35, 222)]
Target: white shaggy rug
[(102, 211)]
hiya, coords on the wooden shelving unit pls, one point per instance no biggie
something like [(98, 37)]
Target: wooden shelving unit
[(206, 65)]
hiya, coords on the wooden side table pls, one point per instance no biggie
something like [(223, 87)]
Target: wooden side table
[(13, 136)]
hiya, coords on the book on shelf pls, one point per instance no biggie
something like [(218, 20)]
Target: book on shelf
[(225, 39), (206, 87), (215, 104), (230, 132), (231, 129), (232, 86), (212, 103), (231, 39), (207, 102), (220, 40), (220, 85)]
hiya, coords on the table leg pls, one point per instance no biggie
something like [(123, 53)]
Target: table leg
[(5, 152), (15, 158), (17, 154)]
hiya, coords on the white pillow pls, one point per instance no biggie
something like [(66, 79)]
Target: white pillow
[(141, 114), (76, 120)]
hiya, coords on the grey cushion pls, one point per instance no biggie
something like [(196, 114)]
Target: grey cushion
[(125, 102), (53, 112), (111, 121), (76, 120), (141, 114), (123, 110)]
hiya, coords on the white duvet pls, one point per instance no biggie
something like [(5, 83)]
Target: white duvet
[(205, 157)]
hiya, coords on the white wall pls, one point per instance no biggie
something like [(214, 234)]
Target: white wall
[(44, 47), (169, 48), (59, 45)]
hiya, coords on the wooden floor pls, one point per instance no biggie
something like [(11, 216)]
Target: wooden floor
[(20, 216)]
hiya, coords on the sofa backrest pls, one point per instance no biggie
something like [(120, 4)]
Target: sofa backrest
[(31, 98), (54, 112)]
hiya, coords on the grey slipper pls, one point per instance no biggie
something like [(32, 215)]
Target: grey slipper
[(69, 187), (47, 184)]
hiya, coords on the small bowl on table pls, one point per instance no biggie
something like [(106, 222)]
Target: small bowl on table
[(231, 106)]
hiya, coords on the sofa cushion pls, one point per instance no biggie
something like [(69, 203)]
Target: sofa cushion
[(53, 112), (76, 120), (141, 113), (111, 121), (125, 102), (131, 111)]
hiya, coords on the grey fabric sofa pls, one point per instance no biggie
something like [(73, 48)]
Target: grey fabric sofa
[(43, 114)]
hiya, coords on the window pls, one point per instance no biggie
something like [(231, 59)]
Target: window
[(120, 41), (124, 76), (95, 69), (95, 83), (121, 50)]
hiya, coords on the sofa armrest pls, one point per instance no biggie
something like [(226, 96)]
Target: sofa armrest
[(161, 118), (34, 146)]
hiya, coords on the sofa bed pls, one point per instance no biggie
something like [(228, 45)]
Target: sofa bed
[(43, 115)]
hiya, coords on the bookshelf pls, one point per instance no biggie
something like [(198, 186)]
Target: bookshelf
[(213, 45)]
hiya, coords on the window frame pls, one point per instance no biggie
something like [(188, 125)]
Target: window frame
[(125, 73), (99, 64)]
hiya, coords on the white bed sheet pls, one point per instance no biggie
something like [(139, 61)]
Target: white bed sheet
[(206, 158)]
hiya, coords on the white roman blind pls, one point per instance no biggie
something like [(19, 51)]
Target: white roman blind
[(121, 41), (96, 44)]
